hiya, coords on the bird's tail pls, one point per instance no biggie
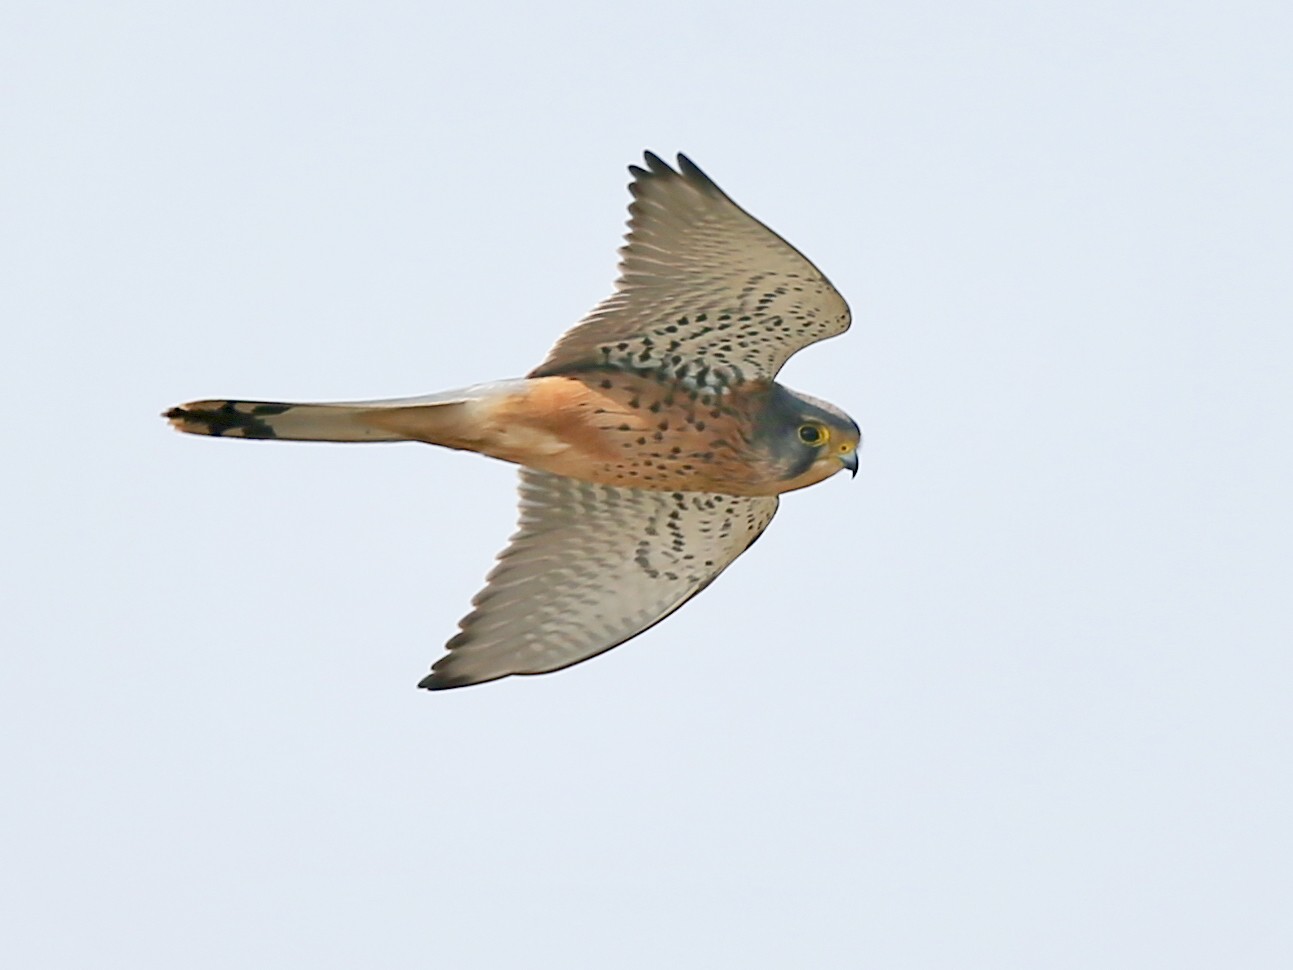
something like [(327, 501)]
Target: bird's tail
[(439, 418), (271, 419)]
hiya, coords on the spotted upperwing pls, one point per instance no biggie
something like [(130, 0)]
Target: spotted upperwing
[(589, 567), (707, 295)]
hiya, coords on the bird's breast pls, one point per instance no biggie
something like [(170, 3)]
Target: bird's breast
[(629, 430)]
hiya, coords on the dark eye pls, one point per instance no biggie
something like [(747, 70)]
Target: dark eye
[(810, 434)]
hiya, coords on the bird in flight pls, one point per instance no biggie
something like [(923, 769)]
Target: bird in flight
[(653, 441)]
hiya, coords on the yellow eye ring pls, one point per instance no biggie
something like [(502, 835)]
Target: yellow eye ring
[(814, 434)]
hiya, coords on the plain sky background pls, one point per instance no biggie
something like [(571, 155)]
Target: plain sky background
[(1018, 697)]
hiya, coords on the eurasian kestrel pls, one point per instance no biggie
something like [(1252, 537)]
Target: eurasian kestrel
[(653, 439)]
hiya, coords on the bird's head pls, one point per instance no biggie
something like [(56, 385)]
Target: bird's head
[(807, 440)]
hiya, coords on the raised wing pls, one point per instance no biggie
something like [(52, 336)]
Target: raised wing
[(590, 567), (704, 288)]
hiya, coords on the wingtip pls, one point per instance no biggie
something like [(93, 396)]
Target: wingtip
[(657, 167), (438, 681), (656, 164), (693, 173), (447, 680)]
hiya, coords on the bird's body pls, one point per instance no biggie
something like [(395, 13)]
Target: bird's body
[(610, 428), (653, 439)]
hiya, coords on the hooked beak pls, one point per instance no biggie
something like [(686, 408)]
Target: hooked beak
[(850, 461)]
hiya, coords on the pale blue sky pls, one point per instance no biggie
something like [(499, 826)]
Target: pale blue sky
[(1017, 697)]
